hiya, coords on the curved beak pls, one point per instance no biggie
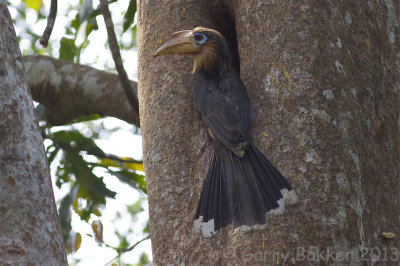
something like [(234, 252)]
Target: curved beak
[(180, 43)]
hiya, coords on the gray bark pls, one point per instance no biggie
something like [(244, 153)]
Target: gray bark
[(29, 226), (322, 78), (70, 90)]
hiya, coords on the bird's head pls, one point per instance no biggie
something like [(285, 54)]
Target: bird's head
[(209, 48)]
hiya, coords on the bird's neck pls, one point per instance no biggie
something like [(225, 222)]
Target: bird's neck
[(214, 59), (214, 71)]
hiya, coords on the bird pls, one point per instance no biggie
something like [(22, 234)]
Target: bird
[(241, 187)]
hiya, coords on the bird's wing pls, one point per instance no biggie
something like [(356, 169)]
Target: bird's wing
[(226, 113)]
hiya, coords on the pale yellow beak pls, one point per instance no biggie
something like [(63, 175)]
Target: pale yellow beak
[(180, 43)]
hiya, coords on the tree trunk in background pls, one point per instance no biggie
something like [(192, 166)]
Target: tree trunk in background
[(322, 78), (29, 226)]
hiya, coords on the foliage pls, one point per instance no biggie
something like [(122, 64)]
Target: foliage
[(79, 164)]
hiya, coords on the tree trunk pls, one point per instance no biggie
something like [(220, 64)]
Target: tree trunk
[(322, 81), (29, 226)]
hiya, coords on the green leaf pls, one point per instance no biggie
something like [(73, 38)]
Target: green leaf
[(143, 260), (52, 155), (129, 15), (85, 177), (75, 23), (134, 32), (64, 212), (40, 111), (34, 4), (65, 216), (146, 229), (68, 49), (62, 174), (79, 142), (91, 26), (85, 118), (97, 185), (124, 243), (131, 178), (91, 187), (135, 208), (124, 164)]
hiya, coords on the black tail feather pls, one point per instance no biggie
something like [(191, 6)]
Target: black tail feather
[(270, 198), (251, 200), (212, 200), (282, 182), (240, 191), (202, 208), (266, 177), (214, 209)]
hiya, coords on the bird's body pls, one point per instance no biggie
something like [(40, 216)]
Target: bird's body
[(224, 107), (241, 186)]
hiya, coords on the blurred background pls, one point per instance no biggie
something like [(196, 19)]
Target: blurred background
[(95, 162)]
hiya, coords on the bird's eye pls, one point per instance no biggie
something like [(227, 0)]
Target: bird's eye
[(199, 38)]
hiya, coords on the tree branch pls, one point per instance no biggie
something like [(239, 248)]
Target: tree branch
[(114, 47), (70, 90), (122, 250), (50, 24)]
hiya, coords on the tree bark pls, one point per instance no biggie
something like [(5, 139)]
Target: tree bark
[(29, 227), (322, 78), (70, 90)]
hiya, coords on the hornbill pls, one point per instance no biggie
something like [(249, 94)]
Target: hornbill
[(242, 187)]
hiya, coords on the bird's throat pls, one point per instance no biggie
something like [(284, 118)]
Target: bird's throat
[(207, 58)]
